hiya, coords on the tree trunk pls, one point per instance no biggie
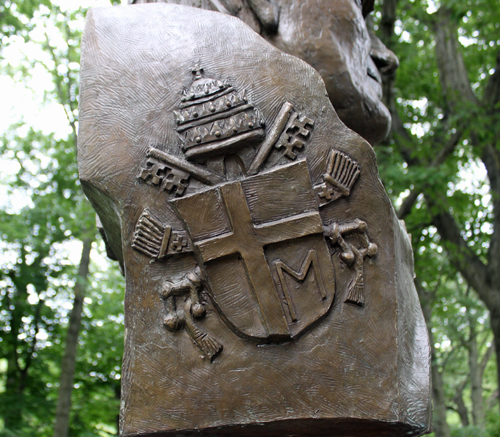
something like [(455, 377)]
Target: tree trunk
[(453, 74), (475, 377), (461, 408), (12, 414), (495, 326), (440, 425), (387, 36), (61, 427), (441, 428)]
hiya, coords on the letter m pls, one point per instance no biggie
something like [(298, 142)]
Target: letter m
[(311, 260)]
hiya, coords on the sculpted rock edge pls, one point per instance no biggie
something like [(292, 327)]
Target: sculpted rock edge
[(269, 284)]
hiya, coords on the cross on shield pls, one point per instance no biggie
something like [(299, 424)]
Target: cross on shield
[(260, 242)]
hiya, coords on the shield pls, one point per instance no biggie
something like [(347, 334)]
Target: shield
[(260, 242)]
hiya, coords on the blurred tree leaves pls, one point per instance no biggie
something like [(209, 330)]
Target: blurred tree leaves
[(44, 217), (439, 166)]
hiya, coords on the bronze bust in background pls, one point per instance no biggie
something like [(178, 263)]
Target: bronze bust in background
[(332, 37), (269, 282)]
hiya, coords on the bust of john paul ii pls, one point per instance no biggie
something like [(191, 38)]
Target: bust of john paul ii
[(331, 36)]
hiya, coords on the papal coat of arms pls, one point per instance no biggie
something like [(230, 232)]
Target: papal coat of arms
[(269, 283), (264, 255)]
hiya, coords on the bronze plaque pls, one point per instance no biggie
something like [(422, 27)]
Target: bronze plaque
[(269, 284)]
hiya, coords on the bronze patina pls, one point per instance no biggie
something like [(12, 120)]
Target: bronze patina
[(331, 36), (269, 282)]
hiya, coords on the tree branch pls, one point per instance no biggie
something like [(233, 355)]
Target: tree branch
[(492, 92), (398, 130), (461, 255), (60, 93), (450, 354), (441, 157), (461, 407), (486, 357)]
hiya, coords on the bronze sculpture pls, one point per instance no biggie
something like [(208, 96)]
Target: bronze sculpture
[(332, 37), (269, 282)]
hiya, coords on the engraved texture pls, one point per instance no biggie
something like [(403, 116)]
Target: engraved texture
[(286, 362)]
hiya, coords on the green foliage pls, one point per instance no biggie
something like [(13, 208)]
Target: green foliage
[(97, 383), (96, 398), (459, 185), (15, 17), (34, 275), (420, 104), (44, 216), (493, 423), (471, 431)]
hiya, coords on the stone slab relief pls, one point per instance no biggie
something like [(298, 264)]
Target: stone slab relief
[(258, 244)]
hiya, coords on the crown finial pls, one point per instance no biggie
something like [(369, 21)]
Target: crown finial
[(197, 71)]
